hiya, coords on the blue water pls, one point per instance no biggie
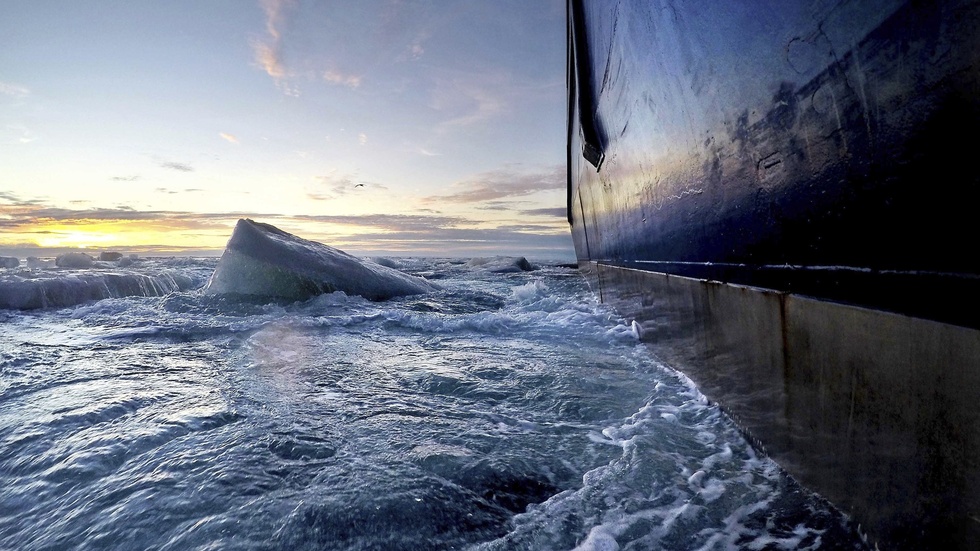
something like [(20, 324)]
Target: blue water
[(505, 411)]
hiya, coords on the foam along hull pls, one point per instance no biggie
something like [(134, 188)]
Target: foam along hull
[(264, 261), (728, 159)]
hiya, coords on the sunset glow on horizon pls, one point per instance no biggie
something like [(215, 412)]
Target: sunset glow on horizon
[(397, 127)]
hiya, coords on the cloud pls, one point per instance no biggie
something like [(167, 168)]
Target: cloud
[(533, 228), (445, 235), (339, 185), (499, 184), (559, 212), (466, 241), (420, 233), (428, 153), (181, 167), (417, 48), (469, 99), (125, 178), (268, 58), (274, 16), (497, 205), (362, 138), (334, 76), (14, 90), (15, 200), (389, 222), (268, 52), (22, 133), (29, 214), (228, 137)]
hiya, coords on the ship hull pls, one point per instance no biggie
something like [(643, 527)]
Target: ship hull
[(775, 192)]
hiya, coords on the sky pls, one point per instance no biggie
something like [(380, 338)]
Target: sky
[(404, 127)]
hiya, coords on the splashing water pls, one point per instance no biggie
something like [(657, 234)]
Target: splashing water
[(502, 411)]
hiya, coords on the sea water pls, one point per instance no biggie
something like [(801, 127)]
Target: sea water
[(503, 411)]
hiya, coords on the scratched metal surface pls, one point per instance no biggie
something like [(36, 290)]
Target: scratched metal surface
[(817, 147)]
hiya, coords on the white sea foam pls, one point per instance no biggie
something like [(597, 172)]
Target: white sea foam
[(653, 498), (503, 411)]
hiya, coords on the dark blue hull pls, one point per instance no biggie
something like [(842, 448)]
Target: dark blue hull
[(779, 193), (820, 148)]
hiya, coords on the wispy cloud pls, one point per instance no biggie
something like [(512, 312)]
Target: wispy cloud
[(28, 215), (362, 138), (268, 51), (466, 241), (21, 133), (333, 186), (390, 222), (180, 167), (125, 178), (532, 228), (231, 138), (274, 17), (417, 48), (14, 90), (14, 200), (559, 212), (445, 235), (267, 57), (468, 99), (499, 184), (421, 233), (334, 76)]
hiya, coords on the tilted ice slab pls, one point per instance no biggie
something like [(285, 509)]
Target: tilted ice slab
[(263, 260)]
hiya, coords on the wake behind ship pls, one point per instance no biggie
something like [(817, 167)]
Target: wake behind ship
[(776, 192)]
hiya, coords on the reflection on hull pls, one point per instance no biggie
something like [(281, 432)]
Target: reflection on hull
[(728, 160)]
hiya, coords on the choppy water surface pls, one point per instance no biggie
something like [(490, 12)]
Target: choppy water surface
[(506, 411)]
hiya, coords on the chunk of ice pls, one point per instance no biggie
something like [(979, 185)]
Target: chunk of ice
[(263, 260), (74, 260), (501, 264)]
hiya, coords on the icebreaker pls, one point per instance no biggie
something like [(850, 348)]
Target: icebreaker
[(262, 260)]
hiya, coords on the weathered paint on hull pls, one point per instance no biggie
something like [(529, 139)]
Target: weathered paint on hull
[(817, 147), (777, 192)]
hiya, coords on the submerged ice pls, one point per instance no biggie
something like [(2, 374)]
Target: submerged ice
[(265, 261)]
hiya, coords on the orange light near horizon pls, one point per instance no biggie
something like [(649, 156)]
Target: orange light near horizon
[(76, 239), (122, 234)]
